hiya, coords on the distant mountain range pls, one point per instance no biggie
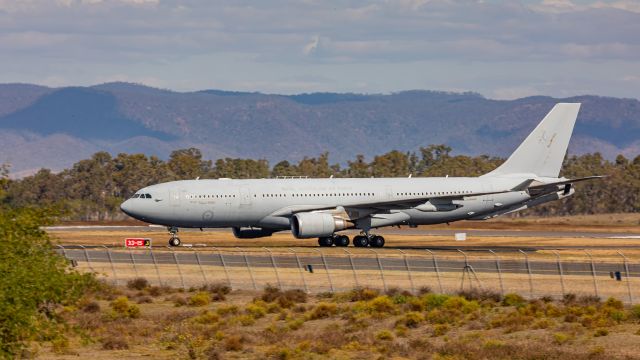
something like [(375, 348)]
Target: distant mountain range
[(55, 127)]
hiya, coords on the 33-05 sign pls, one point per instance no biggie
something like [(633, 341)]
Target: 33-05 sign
[(137, 242)]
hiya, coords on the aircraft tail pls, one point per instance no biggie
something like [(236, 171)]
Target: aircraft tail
[(543, 151)]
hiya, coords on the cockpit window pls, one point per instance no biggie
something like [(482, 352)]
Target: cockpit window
[(148, 196), (135, 196)]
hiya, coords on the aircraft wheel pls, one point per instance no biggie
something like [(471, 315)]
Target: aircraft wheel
[(341, 240), (377, 241), (325, 241), (174, 241), (360, 241)]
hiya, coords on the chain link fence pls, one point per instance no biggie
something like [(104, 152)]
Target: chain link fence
[(531, 274)]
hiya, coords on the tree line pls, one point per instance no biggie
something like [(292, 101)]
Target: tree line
[(93, 189)]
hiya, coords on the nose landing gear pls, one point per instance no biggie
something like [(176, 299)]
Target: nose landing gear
[(174, 240)]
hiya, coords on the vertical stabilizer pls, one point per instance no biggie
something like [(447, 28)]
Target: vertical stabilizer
[(542, 152)]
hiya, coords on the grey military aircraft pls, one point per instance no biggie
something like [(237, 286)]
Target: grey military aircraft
[(320, 208)]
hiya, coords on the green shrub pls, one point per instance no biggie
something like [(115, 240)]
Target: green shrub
[(461, 304), (560, 338), (513, 300), (120, 305), (246, 320), (618, 316), (364, 294), (323, 310), (256, 310), (295, 324), (635, 311), (382, 305), (384, 335), (493, 344), (201, 298), (35, 279), (228, 310), (122, 308), (614, 303), (207, 317), (412, 319), (440, 329), (434, 301)]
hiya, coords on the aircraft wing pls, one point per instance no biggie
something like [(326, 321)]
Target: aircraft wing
[(409, 202)]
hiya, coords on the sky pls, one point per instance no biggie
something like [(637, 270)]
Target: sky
[(500, 49)]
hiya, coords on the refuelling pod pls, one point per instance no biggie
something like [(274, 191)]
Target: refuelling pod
[(251, 232)]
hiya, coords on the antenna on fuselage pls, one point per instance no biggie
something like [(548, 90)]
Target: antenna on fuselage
[(410, 176), (198, 178)]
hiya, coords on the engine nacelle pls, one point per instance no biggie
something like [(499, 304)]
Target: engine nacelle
[(251, 232), (310, 225)]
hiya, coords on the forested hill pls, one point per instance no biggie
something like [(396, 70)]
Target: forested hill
[(55, 127)]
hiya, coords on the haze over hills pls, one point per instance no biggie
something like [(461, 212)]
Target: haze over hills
[(54, 127)]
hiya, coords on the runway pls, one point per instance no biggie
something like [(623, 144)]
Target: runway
[(387, 231)]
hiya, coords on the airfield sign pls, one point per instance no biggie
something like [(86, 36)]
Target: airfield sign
[(137, 242)]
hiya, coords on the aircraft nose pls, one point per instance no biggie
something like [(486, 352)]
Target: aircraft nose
[(127, 208)]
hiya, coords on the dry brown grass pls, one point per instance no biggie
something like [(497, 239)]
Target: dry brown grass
[(348, 326)]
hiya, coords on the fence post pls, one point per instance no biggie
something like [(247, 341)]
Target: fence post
[(304, 282), (593, 273), (113, 268), (64, 251), (275, 268), (526, 257), (224, 266), (560, 271), (435, 265), (246, 262), (406, 264), (204, 276), (155, 265), (499, 271), (384, 283), (133, 261), (626, 271), (175, 258), (86, 256), (326, 268), (353, 267)]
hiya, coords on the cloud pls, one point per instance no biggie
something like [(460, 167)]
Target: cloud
[(134, 38), (311, 47)]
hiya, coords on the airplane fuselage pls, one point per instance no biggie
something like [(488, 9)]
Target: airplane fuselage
[(264, 202)]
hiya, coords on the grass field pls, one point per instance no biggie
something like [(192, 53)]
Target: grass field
[(142, 321)]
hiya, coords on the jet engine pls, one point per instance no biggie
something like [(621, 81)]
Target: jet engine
[(251, 232), (310, 225)]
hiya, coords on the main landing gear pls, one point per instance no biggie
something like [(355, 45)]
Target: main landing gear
[(363, 240), (174, 240)]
